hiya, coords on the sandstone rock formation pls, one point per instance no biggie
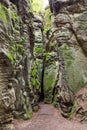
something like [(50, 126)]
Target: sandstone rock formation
[(7, 94), (38, 64), (16, 41), (69, 29)]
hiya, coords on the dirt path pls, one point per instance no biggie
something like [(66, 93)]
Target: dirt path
[(48, 118)]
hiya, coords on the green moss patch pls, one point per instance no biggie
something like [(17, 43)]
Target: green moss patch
[(74, 67), (50, 78)]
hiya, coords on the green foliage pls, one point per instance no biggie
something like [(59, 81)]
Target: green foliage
[(28, 115), (10, 17), (38, 5), (47, 57), (35, 79), (52, 44), (50, 58), (16, 20), (47, 20), (4, 15), (39, 50), (16, 51)]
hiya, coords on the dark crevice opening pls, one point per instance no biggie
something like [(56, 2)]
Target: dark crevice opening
[(42, 83), (15, 2), (42, 96)]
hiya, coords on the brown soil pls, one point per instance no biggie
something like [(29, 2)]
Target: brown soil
[(48, 118), (81, 98)]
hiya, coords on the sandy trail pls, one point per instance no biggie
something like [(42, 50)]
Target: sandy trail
[(48, 118)]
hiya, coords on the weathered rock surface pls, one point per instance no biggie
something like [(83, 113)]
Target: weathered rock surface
[(17, 42), (7, 93), (69, 29), (51, 69)]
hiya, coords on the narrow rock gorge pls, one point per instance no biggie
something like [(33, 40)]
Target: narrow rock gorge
[(43, 58)]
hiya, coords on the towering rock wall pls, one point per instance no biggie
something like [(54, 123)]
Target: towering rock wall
[(25, 57), (16, 59), (17, 26), (69, 31), (7, 94), (38, 68)]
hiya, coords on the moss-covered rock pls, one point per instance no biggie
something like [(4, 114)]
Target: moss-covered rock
[(75, 64), (50, 76), (36, 77)]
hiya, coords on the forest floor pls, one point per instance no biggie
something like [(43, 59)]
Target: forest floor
[(48, 118)]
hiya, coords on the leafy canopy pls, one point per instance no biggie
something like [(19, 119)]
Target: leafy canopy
[(38, 5)]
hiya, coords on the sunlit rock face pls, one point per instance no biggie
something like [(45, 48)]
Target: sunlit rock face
[(70, 27)]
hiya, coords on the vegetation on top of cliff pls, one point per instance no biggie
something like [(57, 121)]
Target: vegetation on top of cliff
[(38, 6)]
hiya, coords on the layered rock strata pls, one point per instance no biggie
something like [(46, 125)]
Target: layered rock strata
[(69, 30)]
